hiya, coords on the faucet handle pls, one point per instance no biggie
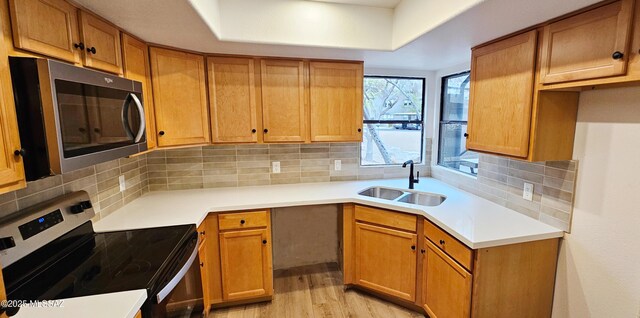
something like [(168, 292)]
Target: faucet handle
[(417, 180)]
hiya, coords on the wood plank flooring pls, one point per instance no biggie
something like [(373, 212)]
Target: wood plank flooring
[(315, 291)]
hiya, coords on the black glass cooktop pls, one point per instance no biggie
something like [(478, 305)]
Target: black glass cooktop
[(96, 263)]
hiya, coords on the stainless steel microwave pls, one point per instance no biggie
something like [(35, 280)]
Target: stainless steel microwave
[(71, 117)]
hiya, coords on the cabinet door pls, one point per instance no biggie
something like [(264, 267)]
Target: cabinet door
[(246, 264), (589, 45), (48, 27), (204, 275), (283, 101), (12, 175), (385, 260), (233, 100), (135, 59), (335, 91), (446, 285), (500, 98), (180, 97), (102, 44)]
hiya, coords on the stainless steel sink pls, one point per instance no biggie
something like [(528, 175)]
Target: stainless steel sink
[(426, 199), (382, 193)]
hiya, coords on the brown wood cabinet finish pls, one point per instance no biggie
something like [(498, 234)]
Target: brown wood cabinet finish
[(385, 260), (284, 109), (458, 251), (180, 97), (446, 285), (243, 220), (102, 44), (48, 27), (135, 59), (335, 92), (232, 95), (590, 45), (505, 69), (204, 275), (245, 256)]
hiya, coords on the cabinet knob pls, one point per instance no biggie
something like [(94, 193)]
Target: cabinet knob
[(92, 50), (79, 45), (359, 129), (202, 233), (266, 130), (441, 242), (413, 247), (264, 241), (466, 135), (617, 55), (253, 130), (422, 251), (242, 221), (161, 133), (202, 264), (19, 152)]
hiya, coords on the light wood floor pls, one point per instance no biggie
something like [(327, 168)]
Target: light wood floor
[(315, 291)]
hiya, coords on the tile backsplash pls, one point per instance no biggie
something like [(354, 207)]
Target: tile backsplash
[(251, 165), (100, 181), (501, 180)]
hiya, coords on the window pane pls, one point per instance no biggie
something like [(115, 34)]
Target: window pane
[(388, 98), (453, 153), (391, 144), (455, 97)]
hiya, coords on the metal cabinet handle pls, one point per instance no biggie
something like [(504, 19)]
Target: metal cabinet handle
[(161, 133), (253, 130), (413, 247), (79, 46), (266, 130), (19, 152), (264, 241), (617, 55), (92, 50), (441, 241), (242, 221)]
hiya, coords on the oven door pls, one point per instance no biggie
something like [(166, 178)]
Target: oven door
[(181, 294), (97, 116)]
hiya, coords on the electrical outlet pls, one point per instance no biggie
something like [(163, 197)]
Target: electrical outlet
[(337, 165), (123, 185), (527, 192), (275, 167)]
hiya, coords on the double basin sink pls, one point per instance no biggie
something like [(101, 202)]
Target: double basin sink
[(411, 197)]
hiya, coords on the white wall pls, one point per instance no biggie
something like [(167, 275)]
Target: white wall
[(598, 273)]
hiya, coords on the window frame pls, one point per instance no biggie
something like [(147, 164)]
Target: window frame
[(442, 122), (420, 122)]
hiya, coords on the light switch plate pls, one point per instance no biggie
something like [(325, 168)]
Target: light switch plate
[(527, 192), (337, 165), (275, 166), (123, 185)]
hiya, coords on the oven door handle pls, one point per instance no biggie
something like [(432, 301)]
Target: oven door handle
[(176, 279), (143, 120)]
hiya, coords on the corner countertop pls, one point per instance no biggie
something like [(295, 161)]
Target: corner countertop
[(114, 305), (476, 222)]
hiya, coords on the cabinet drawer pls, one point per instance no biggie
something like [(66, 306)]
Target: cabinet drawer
[(387, 218), (458, 251), (244, 220)]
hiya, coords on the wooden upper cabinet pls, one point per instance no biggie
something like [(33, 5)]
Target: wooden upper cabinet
[(102, 44), (385, 260), (335, 92), (245, 257), (180, 97), (232, 95), (446, 285), (284, 115), (500, 98), (12, 175), (135, 59), (590, 45), (48, 27)]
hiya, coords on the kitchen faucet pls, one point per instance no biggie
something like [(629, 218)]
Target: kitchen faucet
[(411, 179)]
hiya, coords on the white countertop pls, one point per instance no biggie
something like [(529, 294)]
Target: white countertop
[(114, 305), (475, 221)]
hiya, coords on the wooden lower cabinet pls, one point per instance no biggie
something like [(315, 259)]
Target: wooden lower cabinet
[(385, 260), (237, 260), (446, 285), (204, 270)]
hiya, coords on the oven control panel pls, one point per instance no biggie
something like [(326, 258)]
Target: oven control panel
[(40, 224)]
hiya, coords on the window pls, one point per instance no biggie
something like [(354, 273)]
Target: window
[(393, 122), (452, 152)]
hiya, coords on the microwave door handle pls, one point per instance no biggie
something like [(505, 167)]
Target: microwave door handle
[(143, 120), (125, 116)]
